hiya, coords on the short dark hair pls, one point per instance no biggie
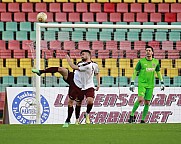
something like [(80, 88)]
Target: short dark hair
[(147, 46), (88, 51)]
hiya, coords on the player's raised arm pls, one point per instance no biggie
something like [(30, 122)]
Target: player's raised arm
[(71, 64)]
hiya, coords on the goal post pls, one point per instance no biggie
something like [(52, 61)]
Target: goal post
[(39, 26)]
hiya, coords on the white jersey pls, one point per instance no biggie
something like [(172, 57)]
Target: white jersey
[(83, 77)]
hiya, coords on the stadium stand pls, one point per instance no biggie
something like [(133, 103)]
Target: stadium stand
[(18, 25)]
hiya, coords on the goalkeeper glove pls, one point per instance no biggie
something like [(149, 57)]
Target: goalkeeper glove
[(132, 87), (162, 87)]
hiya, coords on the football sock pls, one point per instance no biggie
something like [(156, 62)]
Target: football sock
[(70, 111), (49, 70), (77, 111), (135, 107), (89, 107), (145, 112)]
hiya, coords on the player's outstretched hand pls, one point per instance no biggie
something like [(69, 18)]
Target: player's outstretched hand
[(162, 87), (132, 87)]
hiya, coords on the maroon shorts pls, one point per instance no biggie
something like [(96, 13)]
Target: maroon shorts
[(74, 92)]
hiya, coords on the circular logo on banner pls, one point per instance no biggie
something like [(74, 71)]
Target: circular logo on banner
[(24, 108)]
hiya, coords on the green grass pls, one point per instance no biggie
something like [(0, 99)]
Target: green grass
[(91, 134)]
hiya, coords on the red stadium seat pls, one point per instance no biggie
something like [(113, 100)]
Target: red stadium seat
[(97, 45), (125, 45), (115, 17), (154, 44), (31, 54), (19, 54), (122, 7), (104, 54), (40, 7), (69, 45), (54, 45), (101, 17), (139, 45), (83, 45), (167, 45), (117, 53), (170, 17), (49, 17), (142, 17), (88, 17), (178, 17), (13, 7), (3, 7), (159, 54), (136, 7), (173, 54), (155, 17), (13, 44), (178, 45), (2, 96), (95, 7), (61, 17), (109, 7), (175, 7), (61, 53), (68, 7), (2, 44), (163, 7), (81, 7), (47, 53), (74, 17), (6, 16), (5, 53), (149, 7), (131, 54), (111, 45), (27, 44), (19, 17), (43, 44), (55, 7), (27, 7), (32, 17), (128, 17), (75, 53)]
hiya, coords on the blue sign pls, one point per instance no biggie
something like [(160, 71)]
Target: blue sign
[(24, 108)]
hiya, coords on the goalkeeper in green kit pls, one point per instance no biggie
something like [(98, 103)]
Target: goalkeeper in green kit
[(145, 69)]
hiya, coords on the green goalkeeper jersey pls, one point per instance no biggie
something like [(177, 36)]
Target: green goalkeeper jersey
[(146, 72)]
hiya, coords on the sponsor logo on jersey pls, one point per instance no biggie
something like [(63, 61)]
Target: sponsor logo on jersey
[(150, 69), (24, 108)]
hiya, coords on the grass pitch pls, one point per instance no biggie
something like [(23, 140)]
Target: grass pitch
[(91, 134)]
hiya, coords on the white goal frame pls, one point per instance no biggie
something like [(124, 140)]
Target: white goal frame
[(106, 26)]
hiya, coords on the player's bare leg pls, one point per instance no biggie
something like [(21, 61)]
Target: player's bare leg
[(77, 112), (89, 108), (70, 111), (145, 110), (61, 70), (135, 107)]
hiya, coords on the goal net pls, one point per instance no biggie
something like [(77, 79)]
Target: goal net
[(116, 49)]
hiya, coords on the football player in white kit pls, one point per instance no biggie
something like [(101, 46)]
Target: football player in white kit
[(83, 78), (80, 83)]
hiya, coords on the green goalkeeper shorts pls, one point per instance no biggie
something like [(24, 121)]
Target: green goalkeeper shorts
[(147, 93)]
